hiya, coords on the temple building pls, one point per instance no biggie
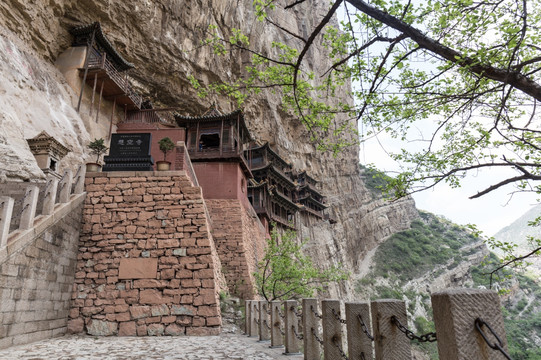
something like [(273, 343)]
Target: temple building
[(99, 74), (216, 144), (105, 68), (307, 194), (271, 192)]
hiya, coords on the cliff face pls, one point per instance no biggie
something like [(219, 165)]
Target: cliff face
[(162, 38)]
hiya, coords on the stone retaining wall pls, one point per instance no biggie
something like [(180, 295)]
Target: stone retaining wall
[(240, 242), (145, 263), (36, 276)]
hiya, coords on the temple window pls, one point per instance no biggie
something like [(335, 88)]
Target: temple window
[(209, 141)]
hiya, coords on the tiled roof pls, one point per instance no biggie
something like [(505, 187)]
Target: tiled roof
[(101, 39)]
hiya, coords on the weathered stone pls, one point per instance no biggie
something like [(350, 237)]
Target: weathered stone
[(160, 310), (76, 326), (174, 330), (139, 312), (102, 328), (127, 329), (182, 310), (155, 329)]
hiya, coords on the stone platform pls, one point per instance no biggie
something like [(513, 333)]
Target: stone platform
[(238, 347)]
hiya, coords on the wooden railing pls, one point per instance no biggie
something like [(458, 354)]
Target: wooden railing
[(316, 213), (99, 61), (469, 325), (152, 116), (55, 192)]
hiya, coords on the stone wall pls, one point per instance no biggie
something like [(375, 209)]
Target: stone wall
[(36, 276), (145, 264), (240, 242)]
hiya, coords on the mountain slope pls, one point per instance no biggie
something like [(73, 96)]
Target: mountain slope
[(435, 254)]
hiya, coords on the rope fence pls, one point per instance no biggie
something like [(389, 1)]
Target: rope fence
[(379, 329)]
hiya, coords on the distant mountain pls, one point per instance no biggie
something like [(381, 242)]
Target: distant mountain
[(518, 233)]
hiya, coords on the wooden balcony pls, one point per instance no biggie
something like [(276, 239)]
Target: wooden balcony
[(104, 77), (152, 116), (227, 153)]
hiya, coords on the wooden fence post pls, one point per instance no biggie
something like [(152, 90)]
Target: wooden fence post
[(6, 211), (310, 325), (291, 327), (332, 330), (247, 316), (49, 199), (359, 330), (65, 187), (263, 321), (455, 314), (389, 342), (277, 340), (254, 331), (29, 205)]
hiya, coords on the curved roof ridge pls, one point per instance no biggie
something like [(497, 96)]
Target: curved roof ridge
[(103, 41)]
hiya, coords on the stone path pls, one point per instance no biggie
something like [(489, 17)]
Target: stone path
[(238, 347)]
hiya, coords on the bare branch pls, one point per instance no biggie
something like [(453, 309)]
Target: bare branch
[(513, 261), (294, 4), (499, 185), (286, 30)]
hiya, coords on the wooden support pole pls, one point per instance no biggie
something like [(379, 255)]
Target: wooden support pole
[(264, 325), (291, 326), (389, 342), (50, 196), (65, 187), (254, 330), (112, 118), (6, 211), (277, 340), (247, 316), (455, 313), (29, 207), (89, 48), (360, 345), (310, 325), (80, 180), (332, 329), (93, 94), (99, 102)]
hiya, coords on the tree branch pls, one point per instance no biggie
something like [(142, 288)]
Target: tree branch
[(286, 30), (294, 4), (517, 80), (512, 261)]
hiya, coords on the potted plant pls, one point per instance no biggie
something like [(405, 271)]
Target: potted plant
[(166, 145), (98, 148)]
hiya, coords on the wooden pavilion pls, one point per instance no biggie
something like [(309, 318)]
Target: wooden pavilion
[(105, 69), (271, 192), (216, 144), (307, 194)]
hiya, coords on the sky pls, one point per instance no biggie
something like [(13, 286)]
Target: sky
[(490, 213)]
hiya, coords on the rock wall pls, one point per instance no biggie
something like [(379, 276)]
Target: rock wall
[(36, 278), (146, 264), (162, 38)]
